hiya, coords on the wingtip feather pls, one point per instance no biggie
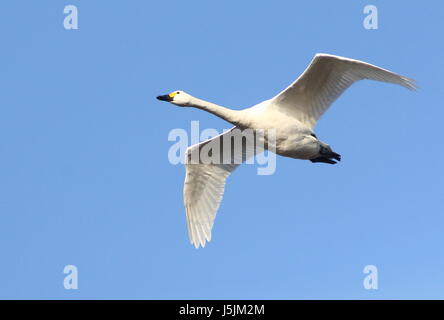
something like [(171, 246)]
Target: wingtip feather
[(410, 84)]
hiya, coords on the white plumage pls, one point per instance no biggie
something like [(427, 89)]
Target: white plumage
[(293, 113)]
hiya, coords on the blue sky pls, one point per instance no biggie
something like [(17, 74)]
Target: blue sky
[(85, 177)]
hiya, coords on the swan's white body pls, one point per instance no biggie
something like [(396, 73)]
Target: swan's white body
[(293, 114)]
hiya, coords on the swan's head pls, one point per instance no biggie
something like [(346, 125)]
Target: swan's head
[(178, 97)]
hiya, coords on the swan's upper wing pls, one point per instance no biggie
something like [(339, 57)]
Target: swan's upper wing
[(205, 179), (324, 80)]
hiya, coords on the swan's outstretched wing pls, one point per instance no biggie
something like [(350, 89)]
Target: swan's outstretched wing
[(208, 165), (324, 80)]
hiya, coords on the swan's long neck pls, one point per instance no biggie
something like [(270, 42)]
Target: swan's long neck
[(233, 116)]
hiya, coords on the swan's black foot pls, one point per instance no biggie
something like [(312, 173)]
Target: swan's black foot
[(334, 155), (324, 160), (327, 155)]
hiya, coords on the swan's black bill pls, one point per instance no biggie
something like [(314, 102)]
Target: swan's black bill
[(165, 98)]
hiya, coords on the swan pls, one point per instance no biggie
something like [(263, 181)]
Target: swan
[(292, 113)]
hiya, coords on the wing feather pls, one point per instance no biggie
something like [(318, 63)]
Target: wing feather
[(324, 80), (205, 182)]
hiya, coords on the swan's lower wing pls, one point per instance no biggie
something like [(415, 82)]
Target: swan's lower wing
[(203, 191), (207, 167), (324, 80)]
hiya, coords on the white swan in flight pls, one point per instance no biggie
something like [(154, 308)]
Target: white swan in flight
[(293, 113)]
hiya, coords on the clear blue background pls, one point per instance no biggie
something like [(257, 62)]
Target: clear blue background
[(85, 178)]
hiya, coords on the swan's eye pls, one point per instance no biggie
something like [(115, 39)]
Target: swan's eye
[(178, 92)]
